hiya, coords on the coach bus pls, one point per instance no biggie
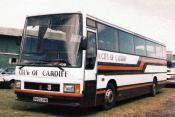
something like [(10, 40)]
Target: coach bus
[(75, 59)]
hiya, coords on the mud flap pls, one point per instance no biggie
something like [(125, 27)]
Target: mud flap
[(90, 93)]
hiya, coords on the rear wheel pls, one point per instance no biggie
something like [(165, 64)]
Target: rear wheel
[(110, 97), (154, 88)]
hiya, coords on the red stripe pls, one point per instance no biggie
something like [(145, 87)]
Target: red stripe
[(137, 68), (49, 93)]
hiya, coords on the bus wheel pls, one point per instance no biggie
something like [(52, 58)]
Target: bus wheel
[(154, 88), (110, 97)]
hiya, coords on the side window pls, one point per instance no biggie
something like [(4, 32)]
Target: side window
[(90, 23), (150, 49), (139, 46), (164, 52), (159, 51), (126, 43), (91, 50), (107, 38)]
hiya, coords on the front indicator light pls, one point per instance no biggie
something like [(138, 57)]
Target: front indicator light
[(71, 88), (77, 88)]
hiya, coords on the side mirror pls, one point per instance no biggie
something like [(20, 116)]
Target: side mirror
[(3, 73), (84, 44)]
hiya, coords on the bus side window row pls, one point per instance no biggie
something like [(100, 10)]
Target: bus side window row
[(112, 39)]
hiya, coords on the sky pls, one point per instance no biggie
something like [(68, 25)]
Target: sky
[(151, 18)]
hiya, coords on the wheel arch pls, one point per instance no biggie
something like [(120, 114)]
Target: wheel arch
[(12, 80), (112, 81), (155, 79)]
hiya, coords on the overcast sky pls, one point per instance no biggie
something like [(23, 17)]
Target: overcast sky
[(152, 18)]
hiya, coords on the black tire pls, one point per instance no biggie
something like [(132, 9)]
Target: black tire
[(110, 97), (154, 88)]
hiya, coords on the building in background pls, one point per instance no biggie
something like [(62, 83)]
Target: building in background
[(10, 40)]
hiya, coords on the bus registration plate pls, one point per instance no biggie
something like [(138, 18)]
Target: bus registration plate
[(40, 99)]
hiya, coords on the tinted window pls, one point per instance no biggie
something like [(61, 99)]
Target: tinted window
[(91, 23), (139, 46), (91, 50), (150, 47), (108, 38), (126, 44), (91, 45), (159, 53)]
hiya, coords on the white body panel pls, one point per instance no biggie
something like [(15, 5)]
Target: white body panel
[(40, 75), (124, 80), (113, 57), (152, 68), (150, 71)]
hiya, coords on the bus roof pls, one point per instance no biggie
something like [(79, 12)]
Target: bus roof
[(104, 22)]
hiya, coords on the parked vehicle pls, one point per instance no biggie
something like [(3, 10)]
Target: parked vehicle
[(171, 72), (7, 77), (75, 59)]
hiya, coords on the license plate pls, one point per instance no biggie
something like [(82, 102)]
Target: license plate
[(40, 99)]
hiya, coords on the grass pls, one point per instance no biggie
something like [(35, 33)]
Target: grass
[(138, 107)]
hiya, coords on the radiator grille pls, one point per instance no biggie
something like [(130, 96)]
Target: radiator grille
[(42, 86)]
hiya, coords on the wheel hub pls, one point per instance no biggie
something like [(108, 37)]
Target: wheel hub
[(109, 96)]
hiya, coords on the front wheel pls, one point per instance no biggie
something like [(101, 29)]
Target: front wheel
[(110, 97)]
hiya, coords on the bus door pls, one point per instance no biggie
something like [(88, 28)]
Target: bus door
[(91, 68)]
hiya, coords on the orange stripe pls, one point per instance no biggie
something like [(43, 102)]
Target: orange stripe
[(100, 92), (49, 93), (133, 86), (141, 67)]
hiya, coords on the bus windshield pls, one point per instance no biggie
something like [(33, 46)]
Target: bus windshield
[(52, 40)]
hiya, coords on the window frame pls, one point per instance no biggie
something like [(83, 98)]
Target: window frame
[(158, 45), (139, 38), (133, 49), (116, 37)]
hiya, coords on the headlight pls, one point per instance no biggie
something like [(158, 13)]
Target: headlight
[(71, 88), (18, 84)]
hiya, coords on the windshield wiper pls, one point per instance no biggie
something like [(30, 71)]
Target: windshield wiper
[(30, 63), (60, 68), (21, 66), (36, 63)]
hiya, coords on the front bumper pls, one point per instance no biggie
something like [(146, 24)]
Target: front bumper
[(62, 99)]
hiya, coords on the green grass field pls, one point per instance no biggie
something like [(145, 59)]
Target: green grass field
[(137, 107)]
